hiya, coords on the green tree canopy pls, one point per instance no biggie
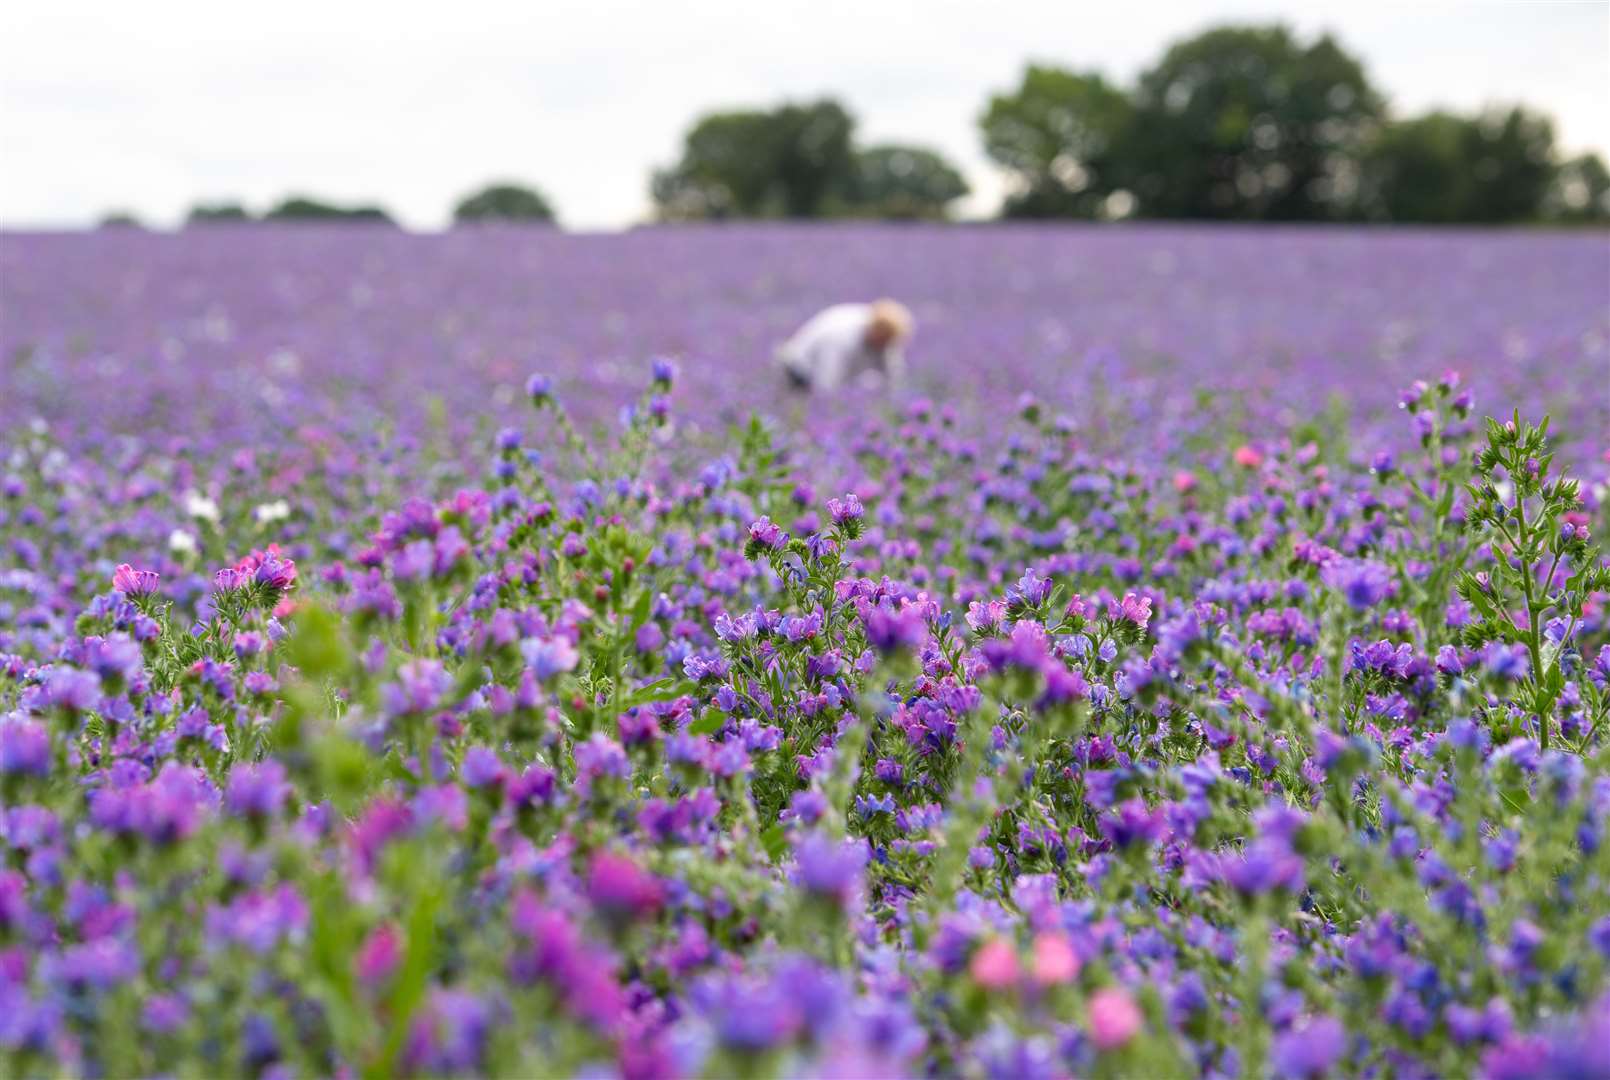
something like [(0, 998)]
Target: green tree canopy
[(1057, 135), (1247, 122), (791, 161), (504, 202), (1511, 155), (302, 208), (903, 182), (119, 219), (1580, 192), (1416, 170), (204, 213), (1439, 168)]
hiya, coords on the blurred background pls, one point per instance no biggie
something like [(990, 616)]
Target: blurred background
[(605, 115)]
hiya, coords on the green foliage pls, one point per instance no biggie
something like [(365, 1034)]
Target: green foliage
[(1497, 167), (1247, 122), (1580, 193), (1416, 170), (1251, 123), (1057, 135), (1544, 567), (903, 182), (301, 208), (504, 202), (208, 213), (791, 161)]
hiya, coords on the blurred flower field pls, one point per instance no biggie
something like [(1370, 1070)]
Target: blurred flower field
[(457, 655)]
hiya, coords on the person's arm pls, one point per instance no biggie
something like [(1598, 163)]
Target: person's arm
[(894, 367)]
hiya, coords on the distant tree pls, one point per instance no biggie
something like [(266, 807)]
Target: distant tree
[(204, 213), (1057, 136), (725, 170), (1511, 156), (792, 161), (1416, 171), (504, 202), (1580, 193), (903, 182), (1494, 168), (1246, 122), (301, 208), (120, 219)]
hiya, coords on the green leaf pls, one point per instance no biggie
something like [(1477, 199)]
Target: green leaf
[(708, 724), (666, 689), (775, 841)]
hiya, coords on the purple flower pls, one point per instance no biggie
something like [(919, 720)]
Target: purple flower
[(24, 748), (649, 638), (765, 535), (257, 790), (549, 656), (1132, 823), (896, 631), (275, 573), (481, 767), (846, 510), (1309, 1049), (830, 868), (135, 583), (620, 887), (1361, 582)]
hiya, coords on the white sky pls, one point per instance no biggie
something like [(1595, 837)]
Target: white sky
[(151, 105)]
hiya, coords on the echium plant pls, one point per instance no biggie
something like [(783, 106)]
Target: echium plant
[(1544, 565)]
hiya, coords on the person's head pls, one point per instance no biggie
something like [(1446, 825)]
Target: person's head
[(891, 324)]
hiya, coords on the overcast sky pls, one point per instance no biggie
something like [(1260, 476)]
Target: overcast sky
[(150, 106)]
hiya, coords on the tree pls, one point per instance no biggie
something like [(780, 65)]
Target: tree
[(903, 182), (1511, 156), (301, 208), (120, 219), (791, 161), (504, 202), (1496, 167), (1245, 122), (1416, 170), (1581, 192), (207, 213), (1057, 136)]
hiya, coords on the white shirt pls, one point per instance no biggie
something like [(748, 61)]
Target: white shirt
[(831, 348)]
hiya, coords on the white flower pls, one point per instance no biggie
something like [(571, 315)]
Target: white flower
[(199, 506), (278, 510), (181, 542)]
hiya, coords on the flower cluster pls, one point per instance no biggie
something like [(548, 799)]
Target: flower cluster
[(649, 753)]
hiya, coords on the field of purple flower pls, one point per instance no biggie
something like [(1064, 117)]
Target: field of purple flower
[(442, 655)]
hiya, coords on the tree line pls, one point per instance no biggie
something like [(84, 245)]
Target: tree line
[(1239, 123)]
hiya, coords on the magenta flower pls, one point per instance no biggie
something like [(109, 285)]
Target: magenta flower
[(135, 583), (994, 966), (379, 955), (1114, 1018)]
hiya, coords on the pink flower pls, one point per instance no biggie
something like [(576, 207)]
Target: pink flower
[(1247, 457), (1054, 960), (1184, 482), (1132, 608), (378, 955), (994, 965), (1114, 1018), (132, 582)]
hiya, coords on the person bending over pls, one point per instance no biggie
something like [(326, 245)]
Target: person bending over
[(847, 342)]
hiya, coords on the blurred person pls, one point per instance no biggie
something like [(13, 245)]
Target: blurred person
[(848, 342)]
